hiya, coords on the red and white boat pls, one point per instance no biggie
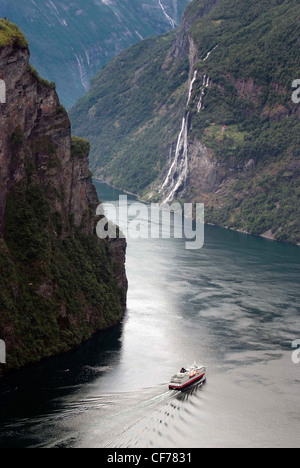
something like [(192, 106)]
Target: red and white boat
[(188, 376)]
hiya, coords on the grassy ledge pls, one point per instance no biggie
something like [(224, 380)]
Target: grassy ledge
[(41, 80), (11, 35), (80, 147)]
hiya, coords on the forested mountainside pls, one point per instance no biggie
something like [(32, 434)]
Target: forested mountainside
[(205, 114), (70, 40), (59, 283)]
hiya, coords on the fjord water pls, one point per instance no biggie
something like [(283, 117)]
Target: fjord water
[(233, 305)]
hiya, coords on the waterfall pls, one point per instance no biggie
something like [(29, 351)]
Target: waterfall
[(210, 52), (191, 87), (82, 72), (206, 81), (168, 17), (175, 161), (205, 84), (178, 172)]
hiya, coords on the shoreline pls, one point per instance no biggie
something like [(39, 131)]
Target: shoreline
[(267, 235), (240, 231), (116, 188)]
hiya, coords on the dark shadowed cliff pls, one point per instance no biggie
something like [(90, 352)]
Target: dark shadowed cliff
[(58, 282)]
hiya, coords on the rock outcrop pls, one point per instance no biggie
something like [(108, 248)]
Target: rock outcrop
[(59, 283)]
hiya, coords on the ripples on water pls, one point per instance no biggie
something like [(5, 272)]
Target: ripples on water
[(234, 305)]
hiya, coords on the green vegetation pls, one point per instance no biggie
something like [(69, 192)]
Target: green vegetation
[(265, 203), (80, 147), (123, 115), (252, 70), (255, 40), (41, 81), (61, 109), (133, 112), (48, 283), (10, 35), (17, 138), (223, 138), (57, 279)]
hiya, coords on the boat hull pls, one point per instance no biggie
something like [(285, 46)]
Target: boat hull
[(187, 384)]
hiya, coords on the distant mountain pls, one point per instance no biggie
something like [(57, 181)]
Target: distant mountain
[(205, 114), (70, 40)]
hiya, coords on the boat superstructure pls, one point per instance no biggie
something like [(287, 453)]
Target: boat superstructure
[(188, 376)]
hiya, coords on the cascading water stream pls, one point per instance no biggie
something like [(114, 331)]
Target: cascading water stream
[(82, 72), (205, 85), (191, 87), (210, 52), (175, 161), (168, 17), (178, 173)]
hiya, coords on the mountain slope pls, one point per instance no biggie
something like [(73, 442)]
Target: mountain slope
[(59, 283), (71, 40), (205, 113)]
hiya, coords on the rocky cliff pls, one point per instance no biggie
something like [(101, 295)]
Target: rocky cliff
[(58, 283), (205, 114)]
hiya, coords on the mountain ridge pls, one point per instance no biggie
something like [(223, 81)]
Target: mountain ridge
[(80, 36), (222, 82)]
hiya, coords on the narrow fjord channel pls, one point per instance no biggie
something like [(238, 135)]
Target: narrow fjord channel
[(233, 305)]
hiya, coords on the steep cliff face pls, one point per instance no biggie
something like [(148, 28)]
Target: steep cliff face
[(205, 114), (59, 283)]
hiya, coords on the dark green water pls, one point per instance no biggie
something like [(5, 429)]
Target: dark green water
[(233, 305)]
